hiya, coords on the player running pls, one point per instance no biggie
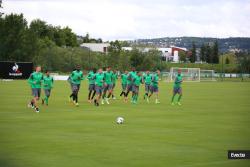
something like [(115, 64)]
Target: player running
[(35, 81), (92, 91), (155, 86), (137, 81), (107, 85), (124, 80), (147, 79), (114, 79), (47, 86), (75, 79), (99, 79), (130, 83), (177, 88)]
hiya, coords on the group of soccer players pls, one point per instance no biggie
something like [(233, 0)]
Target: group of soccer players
[(102, 84), (37, 81)]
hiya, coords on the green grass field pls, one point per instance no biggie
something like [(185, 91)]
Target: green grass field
[(214, 118)]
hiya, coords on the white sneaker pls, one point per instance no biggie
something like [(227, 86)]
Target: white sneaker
[(157, 102), (102, 102), (107, 100)]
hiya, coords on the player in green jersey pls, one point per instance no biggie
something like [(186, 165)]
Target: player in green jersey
[(35, 81), (177, 88), (75, 79), (130, 82), (124, 80), (107, 85), (92, 92), (137, 81), (155, 86), (114, 79), (99, 80), (47, 86), (147, 79)]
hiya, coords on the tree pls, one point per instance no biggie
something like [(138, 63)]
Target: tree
[(0, 8), (208, 57), (135, 58), (12, 37), (182, 56), (70, 37), (202, 52), (193, 55), (215, 53)]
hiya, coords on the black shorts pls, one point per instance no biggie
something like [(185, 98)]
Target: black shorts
[(47, 92), (91, 87), (36, 92), (130, 87)]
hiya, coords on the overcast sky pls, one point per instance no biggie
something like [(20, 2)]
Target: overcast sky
[(133, 19)]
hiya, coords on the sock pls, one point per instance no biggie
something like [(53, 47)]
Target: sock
[(76, 97), (109, 95), (126, 94), (179, 98), (32, 103), (173, 98), (90, 92), (136, 97), (93, 95), (46, 100), (72, 95), (121, 93)]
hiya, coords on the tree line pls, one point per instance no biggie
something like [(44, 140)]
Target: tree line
[(57, 49)]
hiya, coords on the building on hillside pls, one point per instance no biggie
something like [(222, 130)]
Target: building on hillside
[(96, 47), (170, 54)]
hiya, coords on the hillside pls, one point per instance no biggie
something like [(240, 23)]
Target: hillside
[(225, 44)]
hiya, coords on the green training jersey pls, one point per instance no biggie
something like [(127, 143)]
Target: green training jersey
[(137, 80), (131, 76), (99, 79), (178, 81), (147, 79), (114, 78), (48, 82), (35, 80), (124, 78), (155, 80), (108, 77), (91, 77), (76, 77)]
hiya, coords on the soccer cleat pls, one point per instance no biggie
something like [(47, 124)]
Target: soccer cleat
[(37, 110), (107, 100), (179, 103), (77, 104), (172, 103), (102, 102), (114, 98), (147, 99), (157, 102)]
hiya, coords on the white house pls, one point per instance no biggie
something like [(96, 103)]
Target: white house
[(170, 53), (96, 47)]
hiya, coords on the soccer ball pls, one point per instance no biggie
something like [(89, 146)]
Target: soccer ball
[(119, 120)]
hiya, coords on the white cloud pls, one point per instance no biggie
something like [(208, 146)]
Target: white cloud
[(117, 19)]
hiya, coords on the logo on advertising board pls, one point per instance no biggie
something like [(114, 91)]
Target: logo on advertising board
[(15, 71)]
